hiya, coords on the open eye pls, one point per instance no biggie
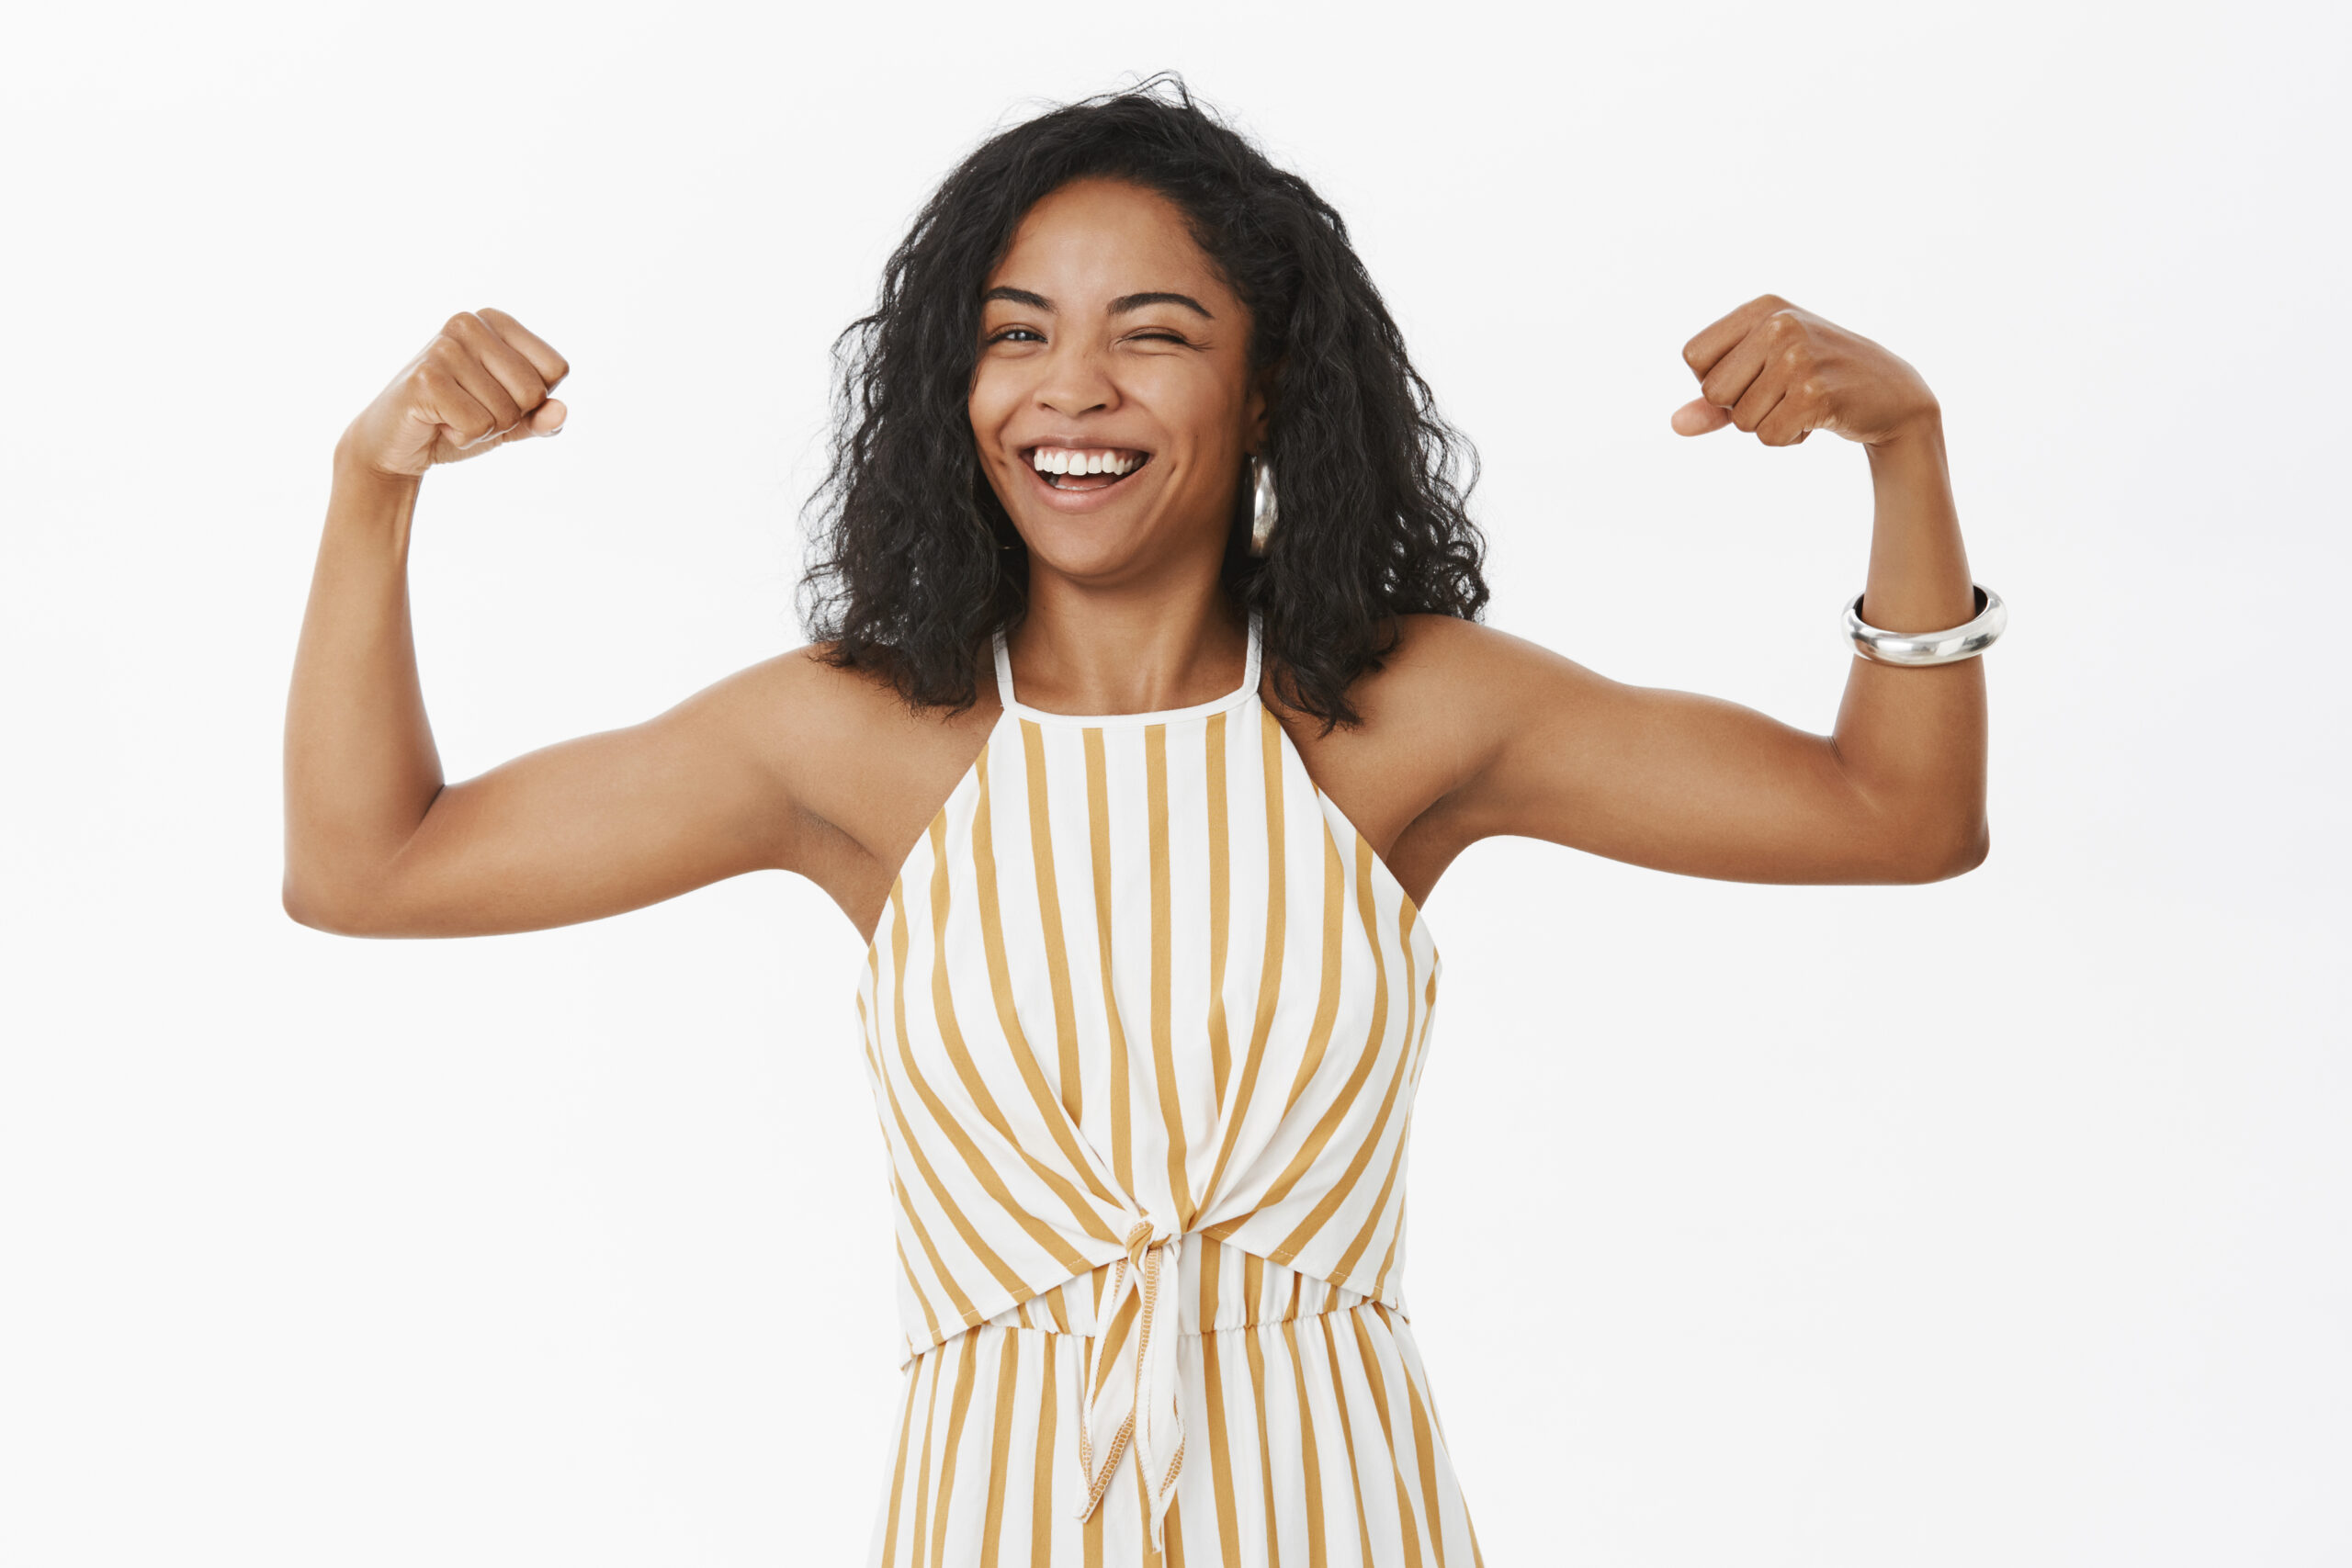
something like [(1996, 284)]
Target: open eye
[(1010, 334)]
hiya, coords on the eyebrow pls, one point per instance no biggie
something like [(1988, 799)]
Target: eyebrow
[(1119, 307)]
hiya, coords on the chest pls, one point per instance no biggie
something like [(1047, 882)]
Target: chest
[(1166, 934), (1152, 827)]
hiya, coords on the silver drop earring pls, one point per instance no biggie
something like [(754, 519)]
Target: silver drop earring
[(1263, 523)]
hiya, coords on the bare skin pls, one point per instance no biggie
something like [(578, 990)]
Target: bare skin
[(1106, 328)]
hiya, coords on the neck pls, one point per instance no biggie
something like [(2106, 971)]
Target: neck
[(1083, 651)]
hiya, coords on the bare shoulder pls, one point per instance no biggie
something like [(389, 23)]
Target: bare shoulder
[(1468, 657), (799, 707), (1428, 720), (1457, 688), (861, 770), (1436, 714)]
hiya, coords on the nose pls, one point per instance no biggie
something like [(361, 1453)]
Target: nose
[(1075, 381)]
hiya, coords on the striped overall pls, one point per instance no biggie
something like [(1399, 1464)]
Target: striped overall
[(1143, 1018)]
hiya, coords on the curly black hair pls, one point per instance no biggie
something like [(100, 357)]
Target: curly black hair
[(915, 562)]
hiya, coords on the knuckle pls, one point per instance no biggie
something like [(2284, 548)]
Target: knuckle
[(1690, 353), (1811, 388)]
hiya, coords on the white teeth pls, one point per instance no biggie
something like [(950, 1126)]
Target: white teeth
[(1068, 460)]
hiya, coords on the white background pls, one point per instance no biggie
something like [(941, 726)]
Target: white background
[(1998, 1220)]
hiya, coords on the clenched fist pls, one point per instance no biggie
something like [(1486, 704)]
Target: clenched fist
[(1782, 374), (482, 381)]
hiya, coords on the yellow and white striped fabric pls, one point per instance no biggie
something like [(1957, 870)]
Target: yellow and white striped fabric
[(1144, 1020)]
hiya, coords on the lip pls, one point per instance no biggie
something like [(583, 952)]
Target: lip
[(1075, 501)]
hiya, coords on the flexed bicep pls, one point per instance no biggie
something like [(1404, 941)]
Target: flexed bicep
[(1673, 780), (588, 827)]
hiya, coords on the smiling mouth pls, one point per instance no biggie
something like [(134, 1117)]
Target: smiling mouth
[(1076, 467)]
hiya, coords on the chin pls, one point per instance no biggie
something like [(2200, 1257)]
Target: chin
[(1078, 550)]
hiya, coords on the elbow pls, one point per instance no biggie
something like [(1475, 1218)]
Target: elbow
[(298, 902), (304, 907), (322, 908), (1942, 855)]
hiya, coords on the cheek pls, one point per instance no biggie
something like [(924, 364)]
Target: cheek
[(1196, 402), (990, 402)]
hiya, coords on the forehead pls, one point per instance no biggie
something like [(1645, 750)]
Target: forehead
[(1093, 240)]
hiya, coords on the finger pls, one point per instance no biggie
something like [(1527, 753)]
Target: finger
[(552, 366), (1787, 423), (1763, 395), (450, 405), (454, 355), (505, 414), (1736, 372), (515, 372), (1698, 416), (1721, 337)]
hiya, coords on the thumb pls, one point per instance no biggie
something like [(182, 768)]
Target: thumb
[(1698, 416), (546, 420)]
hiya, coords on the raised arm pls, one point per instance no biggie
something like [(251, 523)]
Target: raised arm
[(377, 844), (1709, 788)]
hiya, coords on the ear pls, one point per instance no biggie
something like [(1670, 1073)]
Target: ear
[(1258, 409)]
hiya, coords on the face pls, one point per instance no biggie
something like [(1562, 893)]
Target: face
[(1113, 403)]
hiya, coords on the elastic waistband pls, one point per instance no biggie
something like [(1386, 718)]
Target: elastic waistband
[(1218, 1286)]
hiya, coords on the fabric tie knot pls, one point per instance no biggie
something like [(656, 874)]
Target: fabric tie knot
[(1133, 1392)]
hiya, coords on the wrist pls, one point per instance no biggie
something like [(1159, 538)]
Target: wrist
[(367, 498), (1920, 431), (353, 469)]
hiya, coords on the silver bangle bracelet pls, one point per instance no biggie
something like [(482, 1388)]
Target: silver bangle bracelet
[(1964, 641)]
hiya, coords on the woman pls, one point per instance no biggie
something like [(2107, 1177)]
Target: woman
[(1150, 703)]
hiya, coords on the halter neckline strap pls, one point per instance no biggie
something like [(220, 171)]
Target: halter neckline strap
[(1247, 689)]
